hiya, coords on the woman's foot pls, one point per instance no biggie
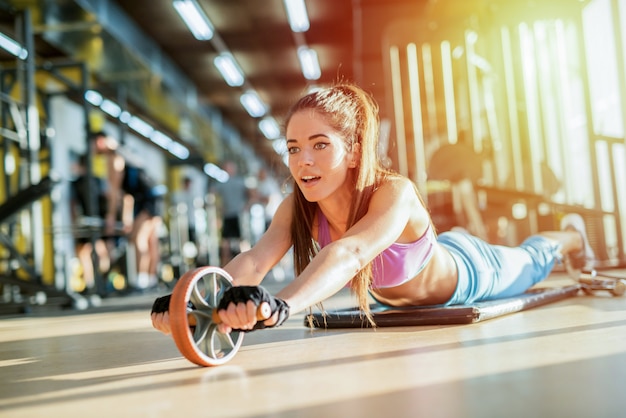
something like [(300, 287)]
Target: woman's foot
[(583, 259)]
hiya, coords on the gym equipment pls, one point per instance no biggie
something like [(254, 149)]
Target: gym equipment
[(16, 203), (387, 316), (27, 196), (88, 226), (194, 320), (37, 293)]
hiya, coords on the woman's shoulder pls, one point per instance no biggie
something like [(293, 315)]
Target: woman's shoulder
[(398, 185), (399, 191)]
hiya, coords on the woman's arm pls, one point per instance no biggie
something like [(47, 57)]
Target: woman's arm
[(395, 214)]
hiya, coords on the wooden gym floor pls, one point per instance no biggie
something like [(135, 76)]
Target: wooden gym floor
[(565, 359)]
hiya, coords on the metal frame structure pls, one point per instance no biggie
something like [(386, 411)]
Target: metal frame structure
[(506, 79), (30, 276)]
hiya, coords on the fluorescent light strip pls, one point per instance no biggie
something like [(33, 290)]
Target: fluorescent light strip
[(161, 139), (13, 47), (93, 97), (110, 108), (140, 126), (297, 15), (230, 70), (195, 19), (269, 127), (309, 63), (253, 104), (178, 150), (125, 117), (215, 172), (280, 148)]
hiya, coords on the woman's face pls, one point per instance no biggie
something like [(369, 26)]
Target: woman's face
[(318, 159)]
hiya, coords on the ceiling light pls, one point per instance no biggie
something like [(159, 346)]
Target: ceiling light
[(140, 126), (161, 139), (280, 147), (93, 97), (309, 63), (269, 127), (125, 117), (297, 15), (195, 19), (230, 70), (178, 150), (253, 104), (110, 108), (215, 172), (12, 47)]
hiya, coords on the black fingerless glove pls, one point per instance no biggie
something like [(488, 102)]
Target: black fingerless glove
[(258, 295), (161, 305)]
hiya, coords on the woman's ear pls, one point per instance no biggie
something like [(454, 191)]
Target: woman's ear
[(355, 155)]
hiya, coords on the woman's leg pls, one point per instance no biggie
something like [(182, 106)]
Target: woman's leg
[(568, 241), (492, 271), (576, 251)]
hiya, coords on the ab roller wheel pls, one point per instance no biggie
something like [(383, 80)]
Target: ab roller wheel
[(194, 330), (194, 319)]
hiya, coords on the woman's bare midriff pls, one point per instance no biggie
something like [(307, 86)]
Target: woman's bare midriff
[(434, 285)]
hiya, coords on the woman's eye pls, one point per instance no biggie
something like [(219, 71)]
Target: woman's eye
[(321, 145), (292, 150)]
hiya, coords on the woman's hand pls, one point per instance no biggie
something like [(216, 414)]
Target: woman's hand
[(160, 314), (161, 321), (244, 316), (240, 306), (238, 310)]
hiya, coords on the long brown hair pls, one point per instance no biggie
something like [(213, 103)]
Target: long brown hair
[(353, 113)]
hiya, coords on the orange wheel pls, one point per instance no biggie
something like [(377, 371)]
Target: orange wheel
[(195, 297)]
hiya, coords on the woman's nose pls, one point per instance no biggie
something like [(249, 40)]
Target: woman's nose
[(305, 159)]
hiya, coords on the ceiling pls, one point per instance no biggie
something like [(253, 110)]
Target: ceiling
[(145, 46), (256, 32), (261, 41), (348, 36), (259, 37)]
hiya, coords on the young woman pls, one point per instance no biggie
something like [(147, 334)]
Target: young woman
[(353, 223)]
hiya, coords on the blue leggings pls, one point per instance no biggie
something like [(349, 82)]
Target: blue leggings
[(488, 271)]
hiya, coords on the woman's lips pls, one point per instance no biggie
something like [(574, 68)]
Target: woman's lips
[(309, 181)]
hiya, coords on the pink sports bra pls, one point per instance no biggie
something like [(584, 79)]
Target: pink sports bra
[(396, 265)]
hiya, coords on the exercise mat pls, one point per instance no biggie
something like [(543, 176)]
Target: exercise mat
[(387, 316)]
